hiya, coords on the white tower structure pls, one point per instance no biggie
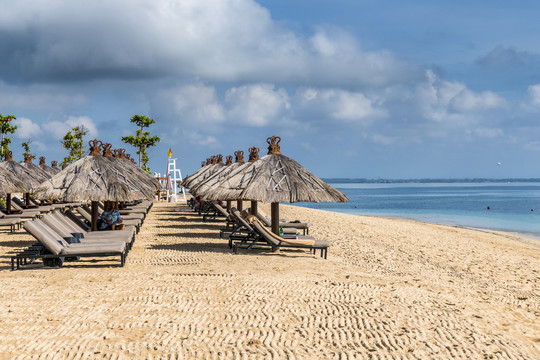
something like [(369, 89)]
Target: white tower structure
[(176, 176)]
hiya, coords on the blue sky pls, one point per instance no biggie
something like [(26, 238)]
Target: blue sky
[(392, 89)]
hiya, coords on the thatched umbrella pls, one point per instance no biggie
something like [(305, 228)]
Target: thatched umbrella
[(54, 166), (273, 179), (216, 164), (129, 164), (47, 169), (204, 164), (221, 175), (224, 182), (27, 174), (10, 184), (39, 173), (94, 178)]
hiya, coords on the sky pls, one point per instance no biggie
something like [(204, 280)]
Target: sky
[(354, 88)]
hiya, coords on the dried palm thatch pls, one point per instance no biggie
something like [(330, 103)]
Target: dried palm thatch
[(196, 173), (207, 171), (131, 167), (29, 177), (47, 169), (275, 178), (220, 175), (9, 184), (94, 178)]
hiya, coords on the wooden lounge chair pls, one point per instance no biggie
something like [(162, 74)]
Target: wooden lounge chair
[(88, 217), (214, 211), (54, 248), (43, 209), (13, 222), (274, 241), (66, 229), (20, 212), (265, 219)]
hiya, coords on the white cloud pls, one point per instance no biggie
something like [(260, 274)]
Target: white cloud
[(214, 40), (38, 97), (27, 129), (533, 93), (201, 140), (256, 105), (383, 139), (489, 133), (195, 102), (60, 128), (339, 105), (467, 101), (444, 101)]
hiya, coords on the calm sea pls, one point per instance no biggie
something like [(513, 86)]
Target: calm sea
[(513, 207)]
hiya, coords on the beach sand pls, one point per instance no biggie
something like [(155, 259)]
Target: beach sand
[(389, 289)]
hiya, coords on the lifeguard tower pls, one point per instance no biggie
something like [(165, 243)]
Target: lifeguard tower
[(176, 178)]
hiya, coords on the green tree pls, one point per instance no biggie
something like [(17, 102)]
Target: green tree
[(73, 141), (5, 128), (142, 139), (26, 147)]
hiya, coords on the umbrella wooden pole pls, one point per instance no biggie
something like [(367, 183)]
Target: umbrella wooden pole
[(27, 200), (274, 213), (8, 203), (239, 205), (253, 209), (95, 215), (229, 205)]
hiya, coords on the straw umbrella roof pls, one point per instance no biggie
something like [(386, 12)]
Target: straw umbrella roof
[(196, 173), (216, 164), (28, 175), (10, 184), (129, 165), (219, 175), (95, 178), (49, 170), (275, 178)]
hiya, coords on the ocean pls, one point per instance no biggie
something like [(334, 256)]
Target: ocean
[(506, 206)]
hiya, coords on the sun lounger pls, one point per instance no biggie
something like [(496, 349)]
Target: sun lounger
[(274, 241), (65, 228), (214, 211), (88, 217), (265, 219), (43, 209), (21, 213), (55, 248), (242, 231), (14, 223)]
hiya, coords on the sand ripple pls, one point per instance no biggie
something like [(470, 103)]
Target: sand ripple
[(389, 290)]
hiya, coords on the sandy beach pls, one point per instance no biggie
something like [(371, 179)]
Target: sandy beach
[(390, 289)]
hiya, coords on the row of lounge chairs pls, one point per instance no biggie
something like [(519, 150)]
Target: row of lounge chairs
[(246, 231), (64, 236)]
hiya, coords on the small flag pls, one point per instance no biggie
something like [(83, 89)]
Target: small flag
[(169, 153)]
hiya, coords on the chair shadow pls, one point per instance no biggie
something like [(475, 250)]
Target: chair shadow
[(194, 247), (192, 226), (191, 235)]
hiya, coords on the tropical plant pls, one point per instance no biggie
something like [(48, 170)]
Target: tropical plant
[(26, 147), (73, 141), (142, 139), (5, 128)]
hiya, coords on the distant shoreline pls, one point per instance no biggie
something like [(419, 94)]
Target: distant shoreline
[(426, 180)]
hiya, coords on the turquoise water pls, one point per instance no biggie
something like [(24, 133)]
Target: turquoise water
[(462, 204)]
